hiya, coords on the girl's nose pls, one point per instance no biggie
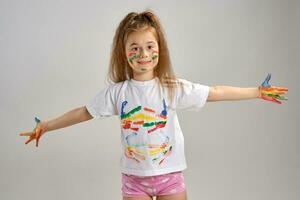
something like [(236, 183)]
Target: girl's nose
[(143, 54)]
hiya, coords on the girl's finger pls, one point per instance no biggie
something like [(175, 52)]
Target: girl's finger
[(279, 97), (30, 139), (270, 99), (38, 136), (276, 101), (275, 88), (26, 133), (281, 88)]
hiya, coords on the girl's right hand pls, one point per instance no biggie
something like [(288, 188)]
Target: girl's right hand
[(38, 131), (273, 94)]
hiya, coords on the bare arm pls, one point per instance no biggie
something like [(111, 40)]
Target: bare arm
[(228, 93), (264, 91), (72, 117)]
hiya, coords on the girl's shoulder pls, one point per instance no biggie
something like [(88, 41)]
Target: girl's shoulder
[(114, 84), (174, 82), (112, 87)]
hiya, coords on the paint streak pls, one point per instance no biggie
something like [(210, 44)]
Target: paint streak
[(138, 122), (131, 54), (157, 127), (152, 123), (134, 57), (154, 57), (164, 117), (134, 154), (164, 111), (135, 129), (166, 155), (141, 116), (138, 108), (149, 110)]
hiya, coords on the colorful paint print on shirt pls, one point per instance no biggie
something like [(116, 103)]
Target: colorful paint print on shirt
[(138, 118)]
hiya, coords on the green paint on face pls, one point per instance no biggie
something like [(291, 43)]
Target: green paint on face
[(154, 57), (134, 57)]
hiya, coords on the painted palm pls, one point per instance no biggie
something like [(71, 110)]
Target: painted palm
[(135, 122)]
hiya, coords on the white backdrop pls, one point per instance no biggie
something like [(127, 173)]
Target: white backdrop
[(54, 57)]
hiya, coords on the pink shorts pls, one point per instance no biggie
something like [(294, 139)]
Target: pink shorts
[(166, 184)]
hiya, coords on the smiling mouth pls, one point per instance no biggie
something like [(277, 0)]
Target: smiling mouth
[(144, 62)]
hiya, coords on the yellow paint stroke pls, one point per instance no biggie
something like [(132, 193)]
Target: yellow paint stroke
[(155, 152), (133, 149), (141, 116)]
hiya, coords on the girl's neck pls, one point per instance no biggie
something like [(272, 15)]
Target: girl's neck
[(143, 77)]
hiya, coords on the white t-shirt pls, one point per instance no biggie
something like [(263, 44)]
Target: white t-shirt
[(151, 137)]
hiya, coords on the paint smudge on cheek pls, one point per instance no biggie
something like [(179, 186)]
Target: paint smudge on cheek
[(154, 55), (132, 56)]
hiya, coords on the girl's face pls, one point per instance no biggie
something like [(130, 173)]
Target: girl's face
[(142, 53)]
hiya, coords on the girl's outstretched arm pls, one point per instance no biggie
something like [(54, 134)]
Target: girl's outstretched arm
[(228, 93), (264, 91), (72, 117)]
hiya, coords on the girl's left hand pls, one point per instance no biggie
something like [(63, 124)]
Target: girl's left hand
[(269, 93), (36, 134)]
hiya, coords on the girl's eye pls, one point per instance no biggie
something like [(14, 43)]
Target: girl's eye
[(149, 47), (134, 49)]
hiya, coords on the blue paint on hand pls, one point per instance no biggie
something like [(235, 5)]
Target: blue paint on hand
[(266, 81)]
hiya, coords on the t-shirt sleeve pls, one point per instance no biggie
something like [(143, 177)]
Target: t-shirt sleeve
[(191, 96), (103, 104)]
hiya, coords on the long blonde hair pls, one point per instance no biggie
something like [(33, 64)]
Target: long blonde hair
[(119, 68)]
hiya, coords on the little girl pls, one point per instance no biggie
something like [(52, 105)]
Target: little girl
[(145, 94)]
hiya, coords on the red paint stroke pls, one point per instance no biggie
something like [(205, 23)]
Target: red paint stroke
[(168, 154), (131, 53), (157, 126), (164, 117), (135, 129), (126, 126), (130, 153), (149, 110), (139, 122), (270, 99)]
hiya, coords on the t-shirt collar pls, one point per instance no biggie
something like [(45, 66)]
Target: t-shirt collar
[(143, 83)]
